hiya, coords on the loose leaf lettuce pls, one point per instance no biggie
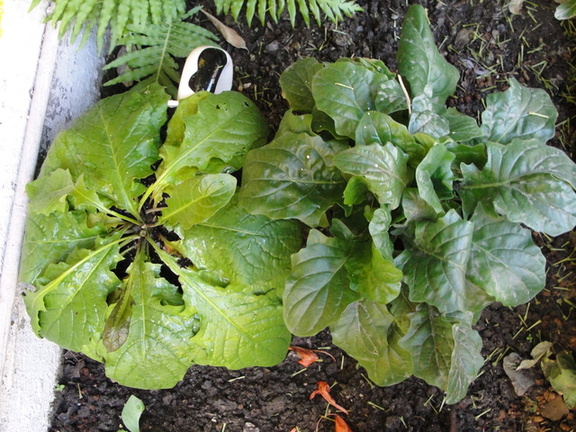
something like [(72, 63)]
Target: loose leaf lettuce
[(153, 271)]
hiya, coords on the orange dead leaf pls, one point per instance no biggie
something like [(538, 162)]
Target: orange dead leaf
[(324, 391), (308, 356), (341, 425)]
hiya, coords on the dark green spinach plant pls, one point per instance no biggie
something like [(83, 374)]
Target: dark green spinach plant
[(137, 251), (418, 217)]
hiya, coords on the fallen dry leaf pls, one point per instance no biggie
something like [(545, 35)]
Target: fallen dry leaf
[(228, 33), (341, 425), (324, 391), (308, 356)]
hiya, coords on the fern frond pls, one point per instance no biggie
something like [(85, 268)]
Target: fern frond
[(155, 48), (334, 10), (83, 15)]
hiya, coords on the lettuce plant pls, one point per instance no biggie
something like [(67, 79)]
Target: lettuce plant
[(417, 216), (136, 252)]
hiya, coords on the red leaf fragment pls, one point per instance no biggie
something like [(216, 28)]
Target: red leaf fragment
[(308, 356), (324, 391), (341, 425)]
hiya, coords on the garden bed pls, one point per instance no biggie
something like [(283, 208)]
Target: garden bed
[(488, 45)]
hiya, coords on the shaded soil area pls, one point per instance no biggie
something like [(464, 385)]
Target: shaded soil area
[(488, 45)]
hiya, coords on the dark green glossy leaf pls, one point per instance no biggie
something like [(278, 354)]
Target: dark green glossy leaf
[(526, 182), (292, 177), (434, 262), (519, 112), (419, 61)]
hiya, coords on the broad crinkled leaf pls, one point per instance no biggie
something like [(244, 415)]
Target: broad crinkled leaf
[(367, 332), (49, 240), (69, 304), (296, 82), (383, 168), (234, 246), (445, 350), (218, 133), (434, 262), (49, 194), (113, 144), (526, 182), (434, 177), (318, 289), (504, 261), (372, 275), (345, 91), (420, 63), (156, 352), (376, 127), (425, 118), (241, 264), (197, 199), (519, 112), (292, 177)]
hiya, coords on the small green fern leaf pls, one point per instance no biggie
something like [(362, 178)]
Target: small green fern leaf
[(154, 49), (79, 16), (334, 10)]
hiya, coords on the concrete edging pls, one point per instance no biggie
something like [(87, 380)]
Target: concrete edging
[(47, 84)]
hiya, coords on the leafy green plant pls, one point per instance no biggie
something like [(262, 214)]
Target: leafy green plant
[(136, 252), (417, 215)]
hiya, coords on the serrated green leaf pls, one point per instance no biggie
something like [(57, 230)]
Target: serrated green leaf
[(241, 263), (50, 239), (519, 112), (69, 305), (318, 289), (292, 177), (197, 199), (434, 262), (113, 145), (383, 168), (156, 351), (367, 332), (527, 182), (49, 194), (420, 62), (504, 260), (217, 136)]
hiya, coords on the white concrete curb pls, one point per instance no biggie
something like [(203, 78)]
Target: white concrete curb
[(44, 84)]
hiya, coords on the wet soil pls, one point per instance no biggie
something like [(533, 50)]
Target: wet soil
[(488, 45)]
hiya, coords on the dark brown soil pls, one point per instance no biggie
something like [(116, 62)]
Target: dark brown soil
[(488, 45)]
